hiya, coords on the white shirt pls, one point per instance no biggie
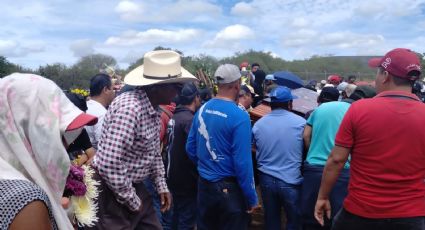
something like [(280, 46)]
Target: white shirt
[(96, 109)]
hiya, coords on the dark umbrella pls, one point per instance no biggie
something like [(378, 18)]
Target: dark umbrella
[(288, 79)]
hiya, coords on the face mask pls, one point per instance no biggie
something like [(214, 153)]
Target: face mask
[(71, 136)]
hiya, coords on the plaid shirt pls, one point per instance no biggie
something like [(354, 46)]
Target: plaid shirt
[(129, 147)]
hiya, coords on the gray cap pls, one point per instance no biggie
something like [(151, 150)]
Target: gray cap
[(227, 73)]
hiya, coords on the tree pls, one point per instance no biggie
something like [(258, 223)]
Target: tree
[(91, 65), (7, 68)]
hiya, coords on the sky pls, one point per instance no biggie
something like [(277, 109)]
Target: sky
[(35, 33)]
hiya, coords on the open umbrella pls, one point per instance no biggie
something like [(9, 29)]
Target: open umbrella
[(288, 79)]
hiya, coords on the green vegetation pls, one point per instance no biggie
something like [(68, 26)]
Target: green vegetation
[(316, 67)]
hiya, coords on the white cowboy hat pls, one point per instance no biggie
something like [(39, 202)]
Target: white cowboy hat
[(159, 67)]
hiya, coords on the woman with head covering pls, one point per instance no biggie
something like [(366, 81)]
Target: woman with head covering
[(36, 121)]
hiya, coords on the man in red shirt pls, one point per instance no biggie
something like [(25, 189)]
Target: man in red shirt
[(385, 138)]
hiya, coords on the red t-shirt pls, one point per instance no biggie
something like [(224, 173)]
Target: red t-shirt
[(387, 172)]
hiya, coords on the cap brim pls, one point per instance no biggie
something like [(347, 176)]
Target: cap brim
[(374, 62), (82, 120), (135, 78)]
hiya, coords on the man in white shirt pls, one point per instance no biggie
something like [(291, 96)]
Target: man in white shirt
[(101, 96)]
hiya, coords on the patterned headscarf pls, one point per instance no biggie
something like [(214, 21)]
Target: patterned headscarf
[(34, 114)]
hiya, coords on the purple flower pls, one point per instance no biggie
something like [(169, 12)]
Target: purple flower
[(75, 182), (76, 188)]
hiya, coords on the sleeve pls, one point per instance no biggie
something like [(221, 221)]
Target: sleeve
[(310, 119), (117, 138), (242, 159), (191, 140), (98, 131), (345, 135), (158, 172), (85, 140)]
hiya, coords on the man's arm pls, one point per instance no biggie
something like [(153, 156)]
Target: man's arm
[(333, 167), (307, 139), (242, 160), (117, 139), (191, 141)]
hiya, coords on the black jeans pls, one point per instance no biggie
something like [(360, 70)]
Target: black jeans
[(348, 221), (221, 205)]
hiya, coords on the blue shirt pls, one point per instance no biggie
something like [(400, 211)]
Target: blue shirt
[(325, 121), (219, 143), (278, 137)]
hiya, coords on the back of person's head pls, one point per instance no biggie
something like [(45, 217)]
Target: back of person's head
[(363, 91), (260, 75), (98, 83), (188, 94), (328, 94), (281, 97), (205, 94), (78, 100), (350, 89), (227, 75)]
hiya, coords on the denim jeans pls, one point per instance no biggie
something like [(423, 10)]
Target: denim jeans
[(164, 218), (348, 221), (309, 190), (221, 205), (277, 194), (183, 213)]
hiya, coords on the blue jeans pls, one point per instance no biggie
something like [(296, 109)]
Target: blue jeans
[(156, 200), (277, 194), (221, 205), (348, 221), (310, 189), (183, 214)]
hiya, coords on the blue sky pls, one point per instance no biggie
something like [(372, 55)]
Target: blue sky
[(36, 33)]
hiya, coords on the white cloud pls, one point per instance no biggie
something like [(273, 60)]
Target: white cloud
[(300, 38), (164, 11), (82, 47), (230, 37), (11, 48), (300, 22), (349, 40), (243, 9), (7, 47), (129, 10), (153, 36)]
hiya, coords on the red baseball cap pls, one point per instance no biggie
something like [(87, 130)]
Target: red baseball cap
[(334, 78), (399, 62), (82, 120)]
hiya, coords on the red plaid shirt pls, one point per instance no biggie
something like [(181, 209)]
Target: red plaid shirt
[(129, 147)]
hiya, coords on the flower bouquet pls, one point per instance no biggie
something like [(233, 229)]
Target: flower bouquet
[(82, 190)]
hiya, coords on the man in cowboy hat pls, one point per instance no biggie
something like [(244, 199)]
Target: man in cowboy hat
[(129, 148)]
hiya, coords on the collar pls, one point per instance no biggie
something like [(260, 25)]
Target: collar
[(398, 94), (143, 97)]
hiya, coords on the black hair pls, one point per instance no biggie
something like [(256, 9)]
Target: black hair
[(98, 83), (280, 105), (255, 64), (78, 100)]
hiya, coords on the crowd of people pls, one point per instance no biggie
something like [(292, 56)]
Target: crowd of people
[(162, 153)]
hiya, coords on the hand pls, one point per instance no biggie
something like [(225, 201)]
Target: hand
[(322, 206), (65, 202), (165, 201), (253, 209)]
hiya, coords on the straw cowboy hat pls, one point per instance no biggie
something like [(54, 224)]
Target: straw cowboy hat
[(159, 67)]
